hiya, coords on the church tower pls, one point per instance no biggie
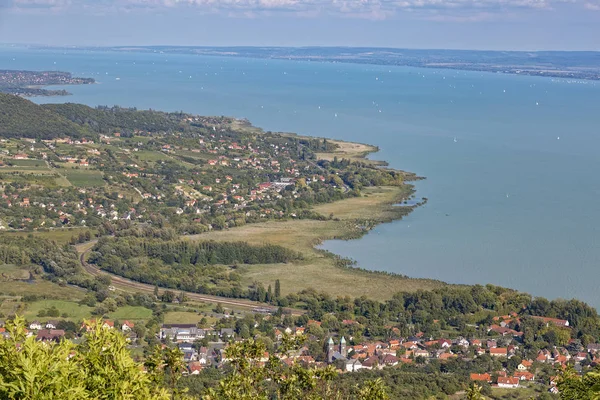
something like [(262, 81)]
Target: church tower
[(330, 350), (343, 350)]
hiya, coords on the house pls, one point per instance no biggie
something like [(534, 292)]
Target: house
[(353, 365), (421, 353), (525, 365), (181, 332), (389, 360), (50, 335), (127, 326), (446, 356), (524, 376), (444, 343), (508, 383), (370, 362), (226, 333), (499, 352), (481, 377), (51, 324), (35, 326), (195, 367)]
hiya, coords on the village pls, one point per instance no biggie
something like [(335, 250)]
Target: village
[(204, 347), (68, 182)]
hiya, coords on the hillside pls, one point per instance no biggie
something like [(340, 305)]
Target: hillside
[(22, 118), (109, 119)]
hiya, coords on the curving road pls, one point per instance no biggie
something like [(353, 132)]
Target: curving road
[(127, 285)]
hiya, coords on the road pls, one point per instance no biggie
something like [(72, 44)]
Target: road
[(127, 285)]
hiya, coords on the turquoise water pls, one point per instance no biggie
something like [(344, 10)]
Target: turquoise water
[(514, 201)]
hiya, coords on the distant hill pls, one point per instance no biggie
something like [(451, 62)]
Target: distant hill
[(22, 118)]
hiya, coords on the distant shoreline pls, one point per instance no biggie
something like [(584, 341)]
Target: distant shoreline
[(33, 83), (582, 65)]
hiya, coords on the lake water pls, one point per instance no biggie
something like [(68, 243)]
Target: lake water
[(512, 162)]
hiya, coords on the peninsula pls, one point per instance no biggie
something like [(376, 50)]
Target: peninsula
[(134, 177), (30, 83)]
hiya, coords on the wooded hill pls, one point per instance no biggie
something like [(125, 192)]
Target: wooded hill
[(22, 118)]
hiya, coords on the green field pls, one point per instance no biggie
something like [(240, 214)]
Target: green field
[(84, 177), (41, 288), (131, 313), (75, 311), (182, 317), (146, 155)]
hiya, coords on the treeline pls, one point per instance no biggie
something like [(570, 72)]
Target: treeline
[(201, 267), (461, 308), (111, 119), (191, 252)]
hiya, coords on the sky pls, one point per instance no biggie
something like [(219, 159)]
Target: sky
[(439, 24)]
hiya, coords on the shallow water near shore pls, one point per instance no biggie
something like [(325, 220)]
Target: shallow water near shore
[(511, 161)]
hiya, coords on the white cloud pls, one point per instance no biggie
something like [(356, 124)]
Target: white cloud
[(592, 6), (436, 9)]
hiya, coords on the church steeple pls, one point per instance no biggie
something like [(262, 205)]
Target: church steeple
[(330, 350), (343, 350)]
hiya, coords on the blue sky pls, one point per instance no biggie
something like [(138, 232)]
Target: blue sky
[(464, 24)]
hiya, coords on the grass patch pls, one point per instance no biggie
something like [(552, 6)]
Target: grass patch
[(318, 270), (41, 288), (182, 317), (130, 313), (75, 311), (147, 155), (9, 272), (84, 178)]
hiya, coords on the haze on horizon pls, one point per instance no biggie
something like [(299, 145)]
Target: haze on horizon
[(440, 24)]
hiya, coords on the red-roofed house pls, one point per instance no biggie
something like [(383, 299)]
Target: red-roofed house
[(524, 376), (508, 383), (127, 326), (499, 352), (525, 365), (481, 377)]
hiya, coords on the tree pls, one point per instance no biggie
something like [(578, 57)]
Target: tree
[(474, 393), (250, 379), (99, 368), (168, 296), (572, 386), (277, 289)]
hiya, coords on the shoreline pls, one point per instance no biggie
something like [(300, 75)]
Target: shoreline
[(349, 219)]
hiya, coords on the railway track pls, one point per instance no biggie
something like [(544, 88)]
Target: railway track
[(125, 285)]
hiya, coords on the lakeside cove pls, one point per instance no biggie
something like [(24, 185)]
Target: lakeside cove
[(348, 219)]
